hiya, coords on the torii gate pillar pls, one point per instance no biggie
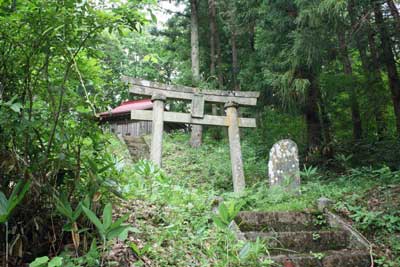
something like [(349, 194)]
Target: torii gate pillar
[(231, 109), (157, 128)]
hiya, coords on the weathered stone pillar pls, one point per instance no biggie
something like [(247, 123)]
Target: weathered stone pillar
[(157, 130), (231, 109)]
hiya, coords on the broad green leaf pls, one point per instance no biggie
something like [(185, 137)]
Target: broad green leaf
[(113, 233), (67, 227), (245, 251), (16, 107), (56, 262), (218, 222), (93, 254), (124, 234), (63, 207), (107, 216), (3, 203), (39, 262), (135, 249), (223, 213), (52, 28), (77, 212), (17, 195), (93, 218), (103, 169), (86, 202), (119, 221)]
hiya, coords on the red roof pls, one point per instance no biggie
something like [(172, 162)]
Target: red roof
[(127, 106)]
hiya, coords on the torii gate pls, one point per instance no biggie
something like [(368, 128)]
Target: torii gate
[(232, 100)]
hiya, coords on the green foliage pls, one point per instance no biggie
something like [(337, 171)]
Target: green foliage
[(53, 83), (309, 172), (108, 229), (367, 220), (90, 259), (61, 62), (318, 255), (46, 262), (226, 213), (8, 205), (63, 206)]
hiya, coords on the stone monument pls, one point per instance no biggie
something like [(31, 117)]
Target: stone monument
[(283, 165)]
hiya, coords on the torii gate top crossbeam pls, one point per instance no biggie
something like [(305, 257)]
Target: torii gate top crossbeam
[(143, 87)]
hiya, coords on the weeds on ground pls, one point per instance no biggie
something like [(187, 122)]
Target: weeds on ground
[(181, 230)]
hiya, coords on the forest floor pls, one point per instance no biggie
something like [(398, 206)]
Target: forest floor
[(172, 208)]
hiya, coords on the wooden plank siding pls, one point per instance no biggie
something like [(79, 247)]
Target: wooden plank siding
[(130, 128)]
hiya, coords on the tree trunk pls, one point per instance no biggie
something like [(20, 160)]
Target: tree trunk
[(326, 125), (252, 40), (194, 41), (235, 65), (197, 130), (371, 70), (314, 129), (378, 87), (390, 63), (348, 71), (219, 62), (213, 33)]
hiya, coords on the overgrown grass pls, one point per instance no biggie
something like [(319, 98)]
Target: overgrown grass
[(172, 207)]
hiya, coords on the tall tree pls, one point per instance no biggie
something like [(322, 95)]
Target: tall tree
[(377, 83), (197, 130), (215, 44), (311, 111), (348, 71), (235, 60), (213, 33), (229, 14), (213, 37), (363, 37), (389, 61), (294, 58)]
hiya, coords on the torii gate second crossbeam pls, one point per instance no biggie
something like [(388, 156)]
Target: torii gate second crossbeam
[(232, 100)]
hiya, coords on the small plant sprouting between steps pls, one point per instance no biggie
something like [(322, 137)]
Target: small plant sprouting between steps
[(226, 214), (252, 251), (237, 253)]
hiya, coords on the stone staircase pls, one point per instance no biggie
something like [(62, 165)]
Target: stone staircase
[(137, 146), (302, 239)]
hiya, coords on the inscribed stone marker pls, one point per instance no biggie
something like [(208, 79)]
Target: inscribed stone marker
[(283, 165)]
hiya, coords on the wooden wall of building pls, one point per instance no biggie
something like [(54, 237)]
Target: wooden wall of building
[(130, 128)]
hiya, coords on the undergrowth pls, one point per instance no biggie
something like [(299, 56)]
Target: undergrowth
[(181, 231)]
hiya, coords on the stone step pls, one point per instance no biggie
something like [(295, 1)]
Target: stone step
[(339, 258), (134, 139), (301, 242), (137, 147), (280, 221)]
